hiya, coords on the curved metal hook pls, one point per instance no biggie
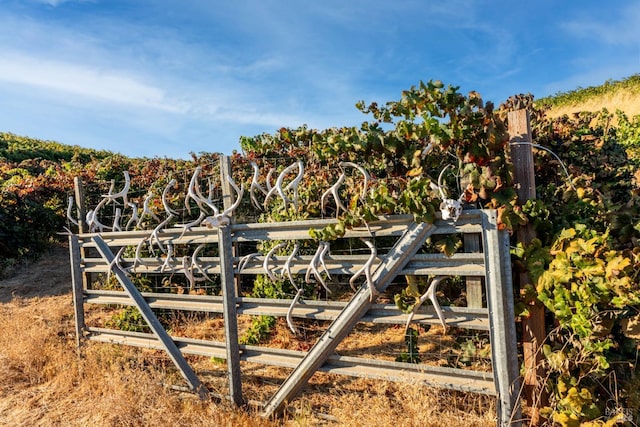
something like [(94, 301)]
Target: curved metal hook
[(366, 269), (431, 295), (266, 264), (256, 186), (290, 311), (333, 190), (69, 209), (122, 193), (364, 173)]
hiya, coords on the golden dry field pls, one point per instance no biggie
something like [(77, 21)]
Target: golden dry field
[(46, 382), (623, 95), (627, 102)]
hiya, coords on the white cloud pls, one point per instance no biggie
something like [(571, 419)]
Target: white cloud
[(77, 79), (254, 117), (241, 67), (51, 2), (624, 31), (55, 3)]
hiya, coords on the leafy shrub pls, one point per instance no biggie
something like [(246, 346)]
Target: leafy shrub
[(128, 319), (584, 263)]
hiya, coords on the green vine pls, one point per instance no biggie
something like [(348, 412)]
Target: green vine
[(584, 264)]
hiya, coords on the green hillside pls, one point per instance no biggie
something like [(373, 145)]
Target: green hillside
[(14, 148)]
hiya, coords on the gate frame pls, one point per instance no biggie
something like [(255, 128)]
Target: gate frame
[(498, 285)]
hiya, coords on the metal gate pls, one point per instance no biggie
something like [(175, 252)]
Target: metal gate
[(94, 253)]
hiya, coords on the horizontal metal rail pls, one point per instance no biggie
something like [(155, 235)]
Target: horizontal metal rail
[(337, 263), (461, 264), (287, 230), (435, 376), (461, 317), (391, 225)]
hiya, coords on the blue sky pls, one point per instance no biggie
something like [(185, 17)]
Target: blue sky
[(166, 78)]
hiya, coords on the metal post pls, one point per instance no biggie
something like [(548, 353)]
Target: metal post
[(504, 343), (77, 287), (227, 201), (227, 191), (230, 314), (82, 225), (80, 203)]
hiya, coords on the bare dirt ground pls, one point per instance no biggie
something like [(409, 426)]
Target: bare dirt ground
[(48, 276)]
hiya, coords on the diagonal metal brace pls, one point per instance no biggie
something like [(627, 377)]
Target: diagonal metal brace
[(392, 264), (153, 322)]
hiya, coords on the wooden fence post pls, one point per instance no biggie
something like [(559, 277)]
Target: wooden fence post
[(533, 326), (473, 284)]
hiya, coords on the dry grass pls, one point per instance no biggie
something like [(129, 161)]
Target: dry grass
[(626, 101), (45, 383)]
